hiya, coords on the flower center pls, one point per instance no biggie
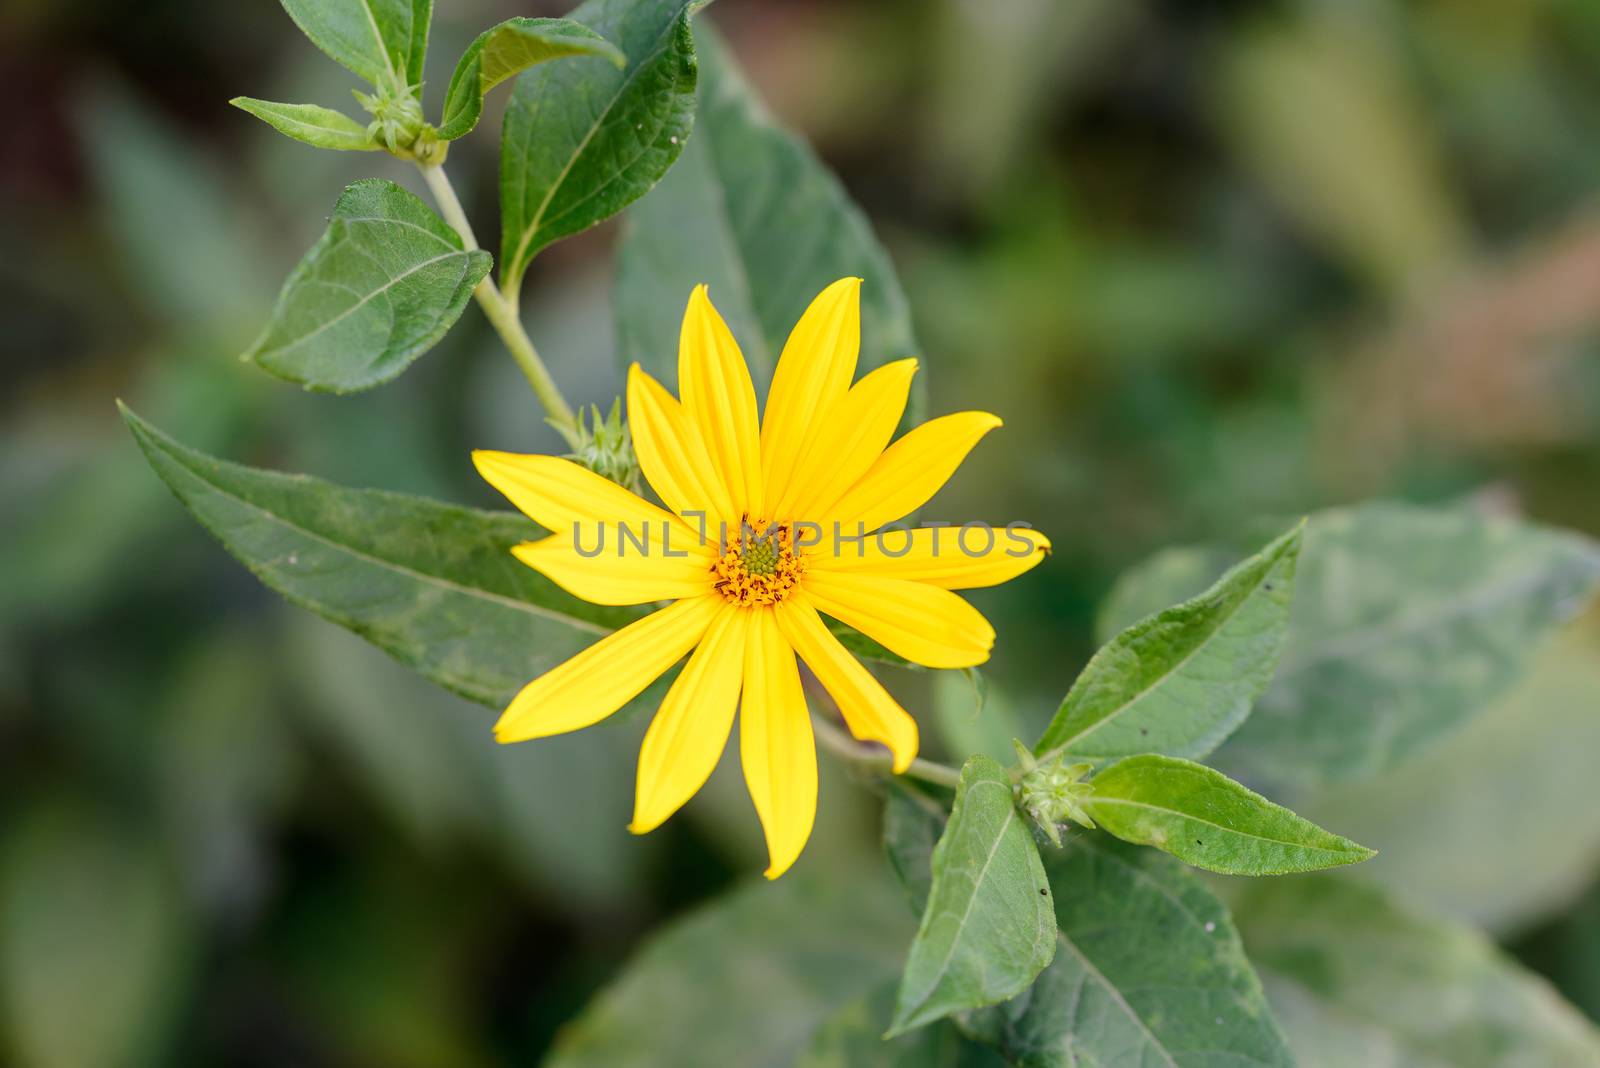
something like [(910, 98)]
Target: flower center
[(760, 566)]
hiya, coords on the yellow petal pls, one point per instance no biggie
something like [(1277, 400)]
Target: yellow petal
[(815, 369), (621, 573), (910, 471), (922, 623), (720, 400), (613, 671), (688, 733), (851, 438), (951, 558), (572, 501), (775, 743), (868, 710), (672, 455)]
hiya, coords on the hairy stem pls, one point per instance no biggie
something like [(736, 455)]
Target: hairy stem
[(842, 745), (502, 313)]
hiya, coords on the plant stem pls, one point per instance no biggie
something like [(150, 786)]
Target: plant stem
[(842, 745), (502, 313)]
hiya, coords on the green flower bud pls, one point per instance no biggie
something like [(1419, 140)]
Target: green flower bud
[(1052, 793)]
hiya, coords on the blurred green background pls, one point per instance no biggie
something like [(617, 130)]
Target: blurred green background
[(1208, 260)]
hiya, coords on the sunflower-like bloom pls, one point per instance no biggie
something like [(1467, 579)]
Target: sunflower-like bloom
[(759, 540)]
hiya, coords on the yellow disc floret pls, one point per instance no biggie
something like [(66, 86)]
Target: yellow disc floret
[(760, 566)]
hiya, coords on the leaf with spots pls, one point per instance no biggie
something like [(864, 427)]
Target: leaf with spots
[(433, 585), (987, 930), (1204, 818)]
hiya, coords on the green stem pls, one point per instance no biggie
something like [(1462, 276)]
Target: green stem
[(502, 313), (841, 744)]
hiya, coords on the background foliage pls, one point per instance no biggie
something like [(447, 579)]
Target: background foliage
[(1211, 262)]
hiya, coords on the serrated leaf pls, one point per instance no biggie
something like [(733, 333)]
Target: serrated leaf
[(511, 48), (381, 286), (1407, 622), (770, 965), (1204, 818), (1149, 971), (433, 585), (311, 124), (750, 211), (1181, 681), (381, 40), (583, 140), (1359, 981), (988, 928)]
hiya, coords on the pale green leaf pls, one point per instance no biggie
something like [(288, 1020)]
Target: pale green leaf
[(988, 928), (384, 283), (433, 585), (1408, 621), (310, 123), (508, 49), (1519, 776), (747, 980), (1149, 971), (384, 41), (751, 212), (582, 140), (1181, 681), (1360, 982), (1204, 818)]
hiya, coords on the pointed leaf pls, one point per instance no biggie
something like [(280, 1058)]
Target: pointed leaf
[(1149, 971), (380, 288), (310, 123), (1357, 981), (582, 140), (433, 585), (1204, 818), (988, 928), (508, 49), (750, 211), (1181, 681), (381, 40)]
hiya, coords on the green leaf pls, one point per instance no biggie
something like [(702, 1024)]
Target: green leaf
[(750, 211), (747, 980), (1497, 823), (1359, 981), (1408, 621), (1204, 818), (583, 140), (377, 290), (384, 41), (508, 49), (433, 585), (310, 123), (912, 823), (853, 1038), (1181, 681), (1149, 971), (988, 928)]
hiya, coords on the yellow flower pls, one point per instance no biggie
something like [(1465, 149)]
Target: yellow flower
[(749, 559)]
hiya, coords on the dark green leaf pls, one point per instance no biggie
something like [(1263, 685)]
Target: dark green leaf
[(988, 928), (1181, 681), (380, 288), (1408, 621), (1204, 818), (912, 823), (508, 49), (745, 981), (1359, 981), (384, 41), (433, 585), (310, 123), (750, 211), (853, 1038), (1149, 971), (582, 140)]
